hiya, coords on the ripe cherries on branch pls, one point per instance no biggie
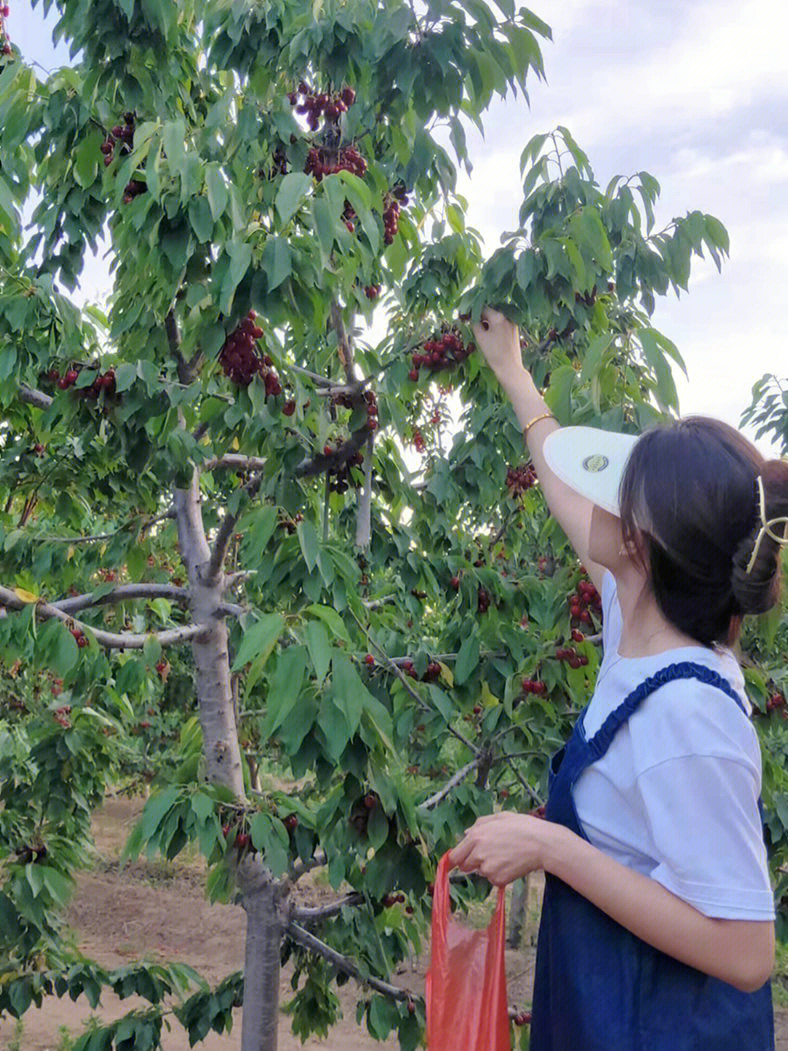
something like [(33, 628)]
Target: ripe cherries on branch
[(241, 362), (318, 104), (443, 353)]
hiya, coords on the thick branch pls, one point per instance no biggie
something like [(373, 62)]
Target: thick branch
[(304, 914), (342, 963), (453, 781), (344, 346), (110, 639), (34, 397), (226, 530), (187, 370), (236, 462), (364, 524), (123, 593), (300, 868)]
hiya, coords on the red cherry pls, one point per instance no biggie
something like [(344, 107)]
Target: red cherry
[(291, 822), (369, 659), (372, 425), (455, 583), (370, 801), (327, 450), (413, 375), (288, 408), (242, 840)]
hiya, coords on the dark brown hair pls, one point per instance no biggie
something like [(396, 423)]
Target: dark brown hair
[(690, 486)]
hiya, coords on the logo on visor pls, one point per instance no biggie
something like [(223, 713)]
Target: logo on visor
[(595, 463)]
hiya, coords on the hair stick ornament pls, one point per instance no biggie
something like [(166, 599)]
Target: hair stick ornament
[(766, 527)]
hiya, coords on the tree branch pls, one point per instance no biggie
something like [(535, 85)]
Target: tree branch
[(123, 593), (453, 781), (300, 868), (109, 639), (344, 346), (236, 461), (187, 371), (226, 530), (342, 963), (34, 397), (403, 679), (364, 523), (304, 914)]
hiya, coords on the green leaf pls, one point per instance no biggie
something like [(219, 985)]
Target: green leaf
[(201, 219), (319, 648), (277, 261), (268, 840), (348, 690), (325, 225), (467, 659), (259, 639), (284, 688), (292, 191), (331, 619), (216, 188), (87, 158), (310, 545), (240, 254), (593, 356)]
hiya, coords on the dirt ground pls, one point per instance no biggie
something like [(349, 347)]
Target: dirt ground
[(159, 911)]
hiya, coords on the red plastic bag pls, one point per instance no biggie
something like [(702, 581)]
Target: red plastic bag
[(466, 983)]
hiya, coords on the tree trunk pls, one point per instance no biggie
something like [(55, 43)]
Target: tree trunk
[(260, 1027), (517, 912), (211, 659)]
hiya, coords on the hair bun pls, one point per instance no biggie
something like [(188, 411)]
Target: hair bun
[(759, 590)]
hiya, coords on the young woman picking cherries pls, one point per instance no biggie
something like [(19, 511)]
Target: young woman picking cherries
[(657, 927)]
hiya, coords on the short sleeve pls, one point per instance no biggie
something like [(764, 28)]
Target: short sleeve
[(702, 814), (611, 614)]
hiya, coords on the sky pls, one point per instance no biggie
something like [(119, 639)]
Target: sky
[(695, 92)]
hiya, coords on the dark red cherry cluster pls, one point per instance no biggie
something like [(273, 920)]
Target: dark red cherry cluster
[(572, 657), (322, 104), (103, 381), (348, 401), (349, 217), (534, 686), (390, 218), (418, 440), (322, 161), (483, 598), (339, 476), (586, 598), (121, 133), (82, 640), (290, 524), (5, 43), (775, 701), (522, 1018), (520, 479), (432, 672), (61, 715), (241, 362), (442, 353), (133, 189)]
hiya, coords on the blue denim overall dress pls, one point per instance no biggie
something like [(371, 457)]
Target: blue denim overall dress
[(597, 987)]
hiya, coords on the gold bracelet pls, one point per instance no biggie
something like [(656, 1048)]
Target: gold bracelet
[(536, 419)]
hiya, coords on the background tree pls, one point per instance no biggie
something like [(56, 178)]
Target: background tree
[(214, 556)]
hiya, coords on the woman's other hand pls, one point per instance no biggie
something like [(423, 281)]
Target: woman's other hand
[(503, 847)]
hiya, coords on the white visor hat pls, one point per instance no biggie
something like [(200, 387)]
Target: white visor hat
[(590, 461)]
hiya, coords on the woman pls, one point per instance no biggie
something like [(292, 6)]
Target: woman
[(657, 928)]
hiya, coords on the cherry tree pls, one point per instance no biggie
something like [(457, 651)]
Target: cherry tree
[(216, 560)]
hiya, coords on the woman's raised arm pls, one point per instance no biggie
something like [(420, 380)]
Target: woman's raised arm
[(499, 342)]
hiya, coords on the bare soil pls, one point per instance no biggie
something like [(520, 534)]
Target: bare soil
[(158, 911)]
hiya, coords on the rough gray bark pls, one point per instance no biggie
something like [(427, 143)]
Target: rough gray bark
[(260, 1025), (259, 893), (211, 658)]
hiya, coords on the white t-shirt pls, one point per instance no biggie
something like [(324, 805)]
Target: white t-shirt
[(675, 796)]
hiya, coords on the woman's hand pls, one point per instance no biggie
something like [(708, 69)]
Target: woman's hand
[(499, 342), (503, 847)]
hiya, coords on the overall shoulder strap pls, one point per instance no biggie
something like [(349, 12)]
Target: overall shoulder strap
[(600, 742)]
